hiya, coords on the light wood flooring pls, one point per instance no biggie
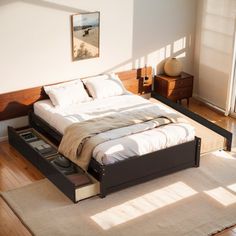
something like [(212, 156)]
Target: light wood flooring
[(15, 172)]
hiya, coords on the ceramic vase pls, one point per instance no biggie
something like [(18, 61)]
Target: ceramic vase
[(173, 67)]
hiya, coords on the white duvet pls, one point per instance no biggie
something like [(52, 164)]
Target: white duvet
[(119, 148)]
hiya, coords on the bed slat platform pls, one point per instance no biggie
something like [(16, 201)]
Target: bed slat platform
[(228, 136)]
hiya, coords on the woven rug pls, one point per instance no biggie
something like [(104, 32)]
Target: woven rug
[(196, 201)]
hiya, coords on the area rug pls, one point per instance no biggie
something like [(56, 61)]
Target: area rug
[(196, 201)]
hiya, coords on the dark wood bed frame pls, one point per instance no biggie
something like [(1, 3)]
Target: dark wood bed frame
[(133, 170)]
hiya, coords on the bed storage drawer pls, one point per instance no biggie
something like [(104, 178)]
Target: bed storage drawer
[(88, 191), (67, 176)]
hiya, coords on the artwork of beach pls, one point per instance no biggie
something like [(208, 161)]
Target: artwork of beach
[(85, 35)]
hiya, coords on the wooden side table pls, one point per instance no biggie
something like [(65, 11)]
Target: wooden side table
[(174, 88)]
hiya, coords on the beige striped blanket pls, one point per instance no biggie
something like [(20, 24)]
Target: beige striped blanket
[(81, 138)]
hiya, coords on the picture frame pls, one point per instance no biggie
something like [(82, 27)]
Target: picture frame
[(85, 35)]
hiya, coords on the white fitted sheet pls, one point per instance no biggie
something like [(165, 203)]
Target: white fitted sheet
[(119, 148)]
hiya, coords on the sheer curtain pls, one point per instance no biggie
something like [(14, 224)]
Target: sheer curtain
[(231, 94), (214, 52)]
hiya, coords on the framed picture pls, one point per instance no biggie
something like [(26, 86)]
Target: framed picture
[(85, 35)]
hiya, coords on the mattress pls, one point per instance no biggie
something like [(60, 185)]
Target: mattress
[(118, 148)]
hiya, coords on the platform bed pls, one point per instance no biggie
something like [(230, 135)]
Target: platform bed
[(134, 170), (114, 176)]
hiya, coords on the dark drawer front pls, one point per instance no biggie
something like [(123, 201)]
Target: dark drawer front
[(63, 181), (160, 86), (180, 93), (181, 83)]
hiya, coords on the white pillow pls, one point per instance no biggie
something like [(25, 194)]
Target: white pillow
[(67, 93), (104, 86), (48, 88)]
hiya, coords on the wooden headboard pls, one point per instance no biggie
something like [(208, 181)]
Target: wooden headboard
[(18, 103)]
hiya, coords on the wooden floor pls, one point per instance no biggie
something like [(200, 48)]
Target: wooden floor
[(15, 172)]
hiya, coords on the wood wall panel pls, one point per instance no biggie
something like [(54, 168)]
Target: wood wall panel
[(18, 103)]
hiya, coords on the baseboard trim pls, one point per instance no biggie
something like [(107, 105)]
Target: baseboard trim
[(2, 139), (214, 107)]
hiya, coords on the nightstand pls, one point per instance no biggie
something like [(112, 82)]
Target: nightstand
[(174, 88)]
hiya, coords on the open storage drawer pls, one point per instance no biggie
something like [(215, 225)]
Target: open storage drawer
[(67, 176)]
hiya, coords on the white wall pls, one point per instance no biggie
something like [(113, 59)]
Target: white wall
[(35, 38), (213, 54), (164, 28)]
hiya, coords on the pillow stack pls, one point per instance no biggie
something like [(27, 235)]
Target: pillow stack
[(73, 92)]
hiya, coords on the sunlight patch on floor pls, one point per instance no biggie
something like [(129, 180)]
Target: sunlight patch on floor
[(213, 121), (223, 154), (221, 195), (232, 187), (143, 205)]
